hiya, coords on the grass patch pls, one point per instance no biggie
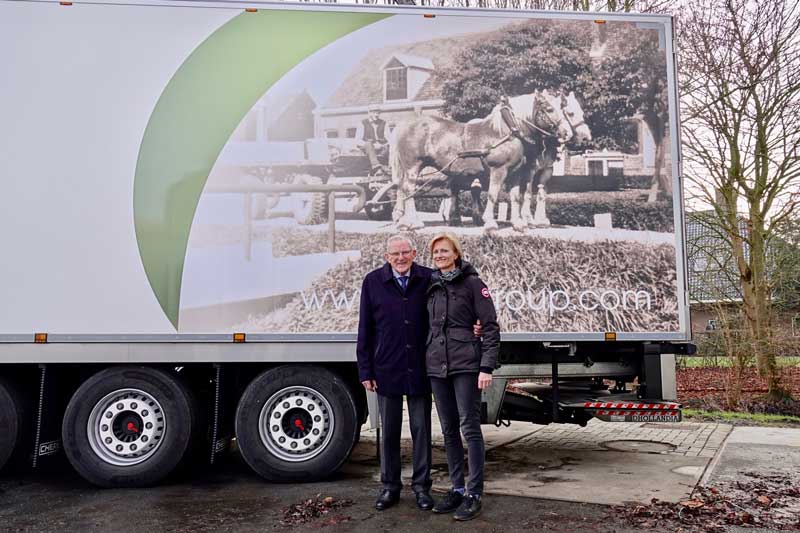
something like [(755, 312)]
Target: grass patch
[(734, 416), (725, 362)]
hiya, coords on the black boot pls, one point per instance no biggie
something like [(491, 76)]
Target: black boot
[(450, 502), (470, 508)]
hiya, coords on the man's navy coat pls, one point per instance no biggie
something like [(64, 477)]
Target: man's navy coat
[(392, 330)]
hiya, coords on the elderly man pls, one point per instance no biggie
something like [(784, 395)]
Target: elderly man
[(392, 330)]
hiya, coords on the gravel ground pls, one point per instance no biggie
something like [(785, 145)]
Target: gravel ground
[(230, 498)]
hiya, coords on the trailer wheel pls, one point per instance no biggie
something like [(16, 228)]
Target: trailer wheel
[(128, 426), (12, 417), (296, 423), (310, 207), (263, 204), (382, 211)]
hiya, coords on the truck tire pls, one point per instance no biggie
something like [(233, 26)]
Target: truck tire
[(128, 426), (296, 423), (12, 418), (310, 207)]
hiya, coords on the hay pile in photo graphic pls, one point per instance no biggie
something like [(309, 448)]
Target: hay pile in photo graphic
[(518, 262)]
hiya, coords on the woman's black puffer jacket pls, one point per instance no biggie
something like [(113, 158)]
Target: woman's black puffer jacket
[(453, 308)]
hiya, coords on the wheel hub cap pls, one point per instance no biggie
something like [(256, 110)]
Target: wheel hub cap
[(296, 423), (126, 427)]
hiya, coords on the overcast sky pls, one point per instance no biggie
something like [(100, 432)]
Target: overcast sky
[(325, 70)]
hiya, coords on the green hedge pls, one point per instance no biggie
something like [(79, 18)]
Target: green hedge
[(629, 209)]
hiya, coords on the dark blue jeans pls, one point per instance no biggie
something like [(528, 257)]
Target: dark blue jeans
[(458, 402)]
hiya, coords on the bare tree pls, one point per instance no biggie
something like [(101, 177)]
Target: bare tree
[(715, 286), (740, 64)]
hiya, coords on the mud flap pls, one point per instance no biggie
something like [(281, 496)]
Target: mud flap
[(223, 410), (55, 389), (651, 364)]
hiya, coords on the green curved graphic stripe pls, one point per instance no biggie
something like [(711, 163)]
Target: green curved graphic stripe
[(197, 112)]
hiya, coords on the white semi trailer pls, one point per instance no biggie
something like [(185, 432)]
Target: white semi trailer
[(161, 295)]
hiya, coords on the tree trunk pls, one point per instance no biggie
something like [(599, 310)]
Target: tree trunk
[(757, 309), (660, 182)]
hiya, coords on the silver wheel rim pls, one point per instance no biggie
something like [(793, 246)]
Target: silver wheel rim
[(126, 427), (296, 424)]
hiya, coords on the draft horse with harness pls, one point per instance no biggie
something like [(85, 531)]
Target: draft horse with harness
[(541, 153), (483, 149)]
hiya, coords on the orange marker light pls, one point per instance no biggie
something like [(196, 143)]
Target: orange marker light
[(599, 21), (238, 337), (429, 16), (251, 10), (65, 3), (611, 336), (40, 338)]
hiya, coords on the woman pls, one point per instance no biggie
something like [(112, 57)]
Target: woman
[(459, 367)]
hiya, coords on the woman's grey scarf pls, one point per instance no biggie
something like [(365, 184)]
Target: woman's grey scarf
[(447, 277)]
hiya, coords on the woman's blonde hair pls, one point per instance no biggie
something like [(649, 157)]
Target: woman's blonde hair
[(452, 239)]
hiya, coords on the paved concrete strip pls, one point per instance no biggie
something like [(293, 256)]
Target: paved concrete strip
[(762, 435), (605, 477), (738, 458), (757, 449), (605, 463), (752, 452)]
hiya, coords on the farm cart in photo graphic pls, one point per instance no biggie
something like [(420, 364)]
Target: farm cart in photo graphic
[(320, 170)]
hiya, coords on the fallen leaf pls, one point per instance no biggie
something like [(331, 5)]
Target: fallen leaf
[(764, 500), (692, 504), (335, 520)]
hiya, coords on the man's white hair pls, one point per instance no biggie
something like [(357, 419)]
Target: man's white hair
[(399, 238)]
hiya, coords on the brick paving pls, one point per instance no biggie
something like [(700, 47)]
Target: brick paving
[(687, 439)]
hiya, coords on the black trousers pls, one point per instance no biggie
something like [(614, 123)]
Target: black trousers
[(458, 402), (419, 417)]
